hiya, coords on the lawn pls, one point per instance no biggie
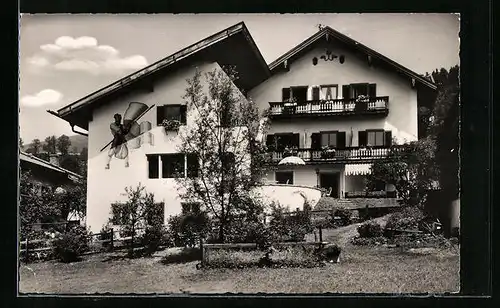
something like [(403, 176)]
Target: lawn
[(362, 269)]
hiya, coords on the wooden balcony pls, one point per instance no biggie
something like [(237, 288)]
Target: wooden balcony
[(336, 107), (346, 155)]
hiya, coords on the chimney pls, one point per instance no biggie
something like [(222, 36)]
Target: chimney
[(54, 159)]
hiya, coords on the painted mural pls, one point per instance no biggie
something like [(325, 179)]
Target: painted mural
[(127, 134)]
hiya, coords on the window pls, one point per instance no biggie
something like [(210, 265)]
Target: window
[(284, 177), (153, 166), (118, 214), (284, 140), (356, 89), (193, 165), (171, 112), (329, 92), (329, 138), (299, 93), (375, 138), (157, 214), (190, 207), (172, 165)]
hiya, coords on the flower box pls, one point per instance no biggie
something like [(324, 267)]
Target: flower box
[(170, 125)]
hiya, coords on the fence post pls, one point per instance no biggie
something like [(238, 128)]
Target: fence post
[(320, 234), (26, 251), (202, 249), (112, 239)]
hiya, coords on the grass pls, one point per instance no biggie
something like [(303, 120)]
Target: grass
[(361, 269)]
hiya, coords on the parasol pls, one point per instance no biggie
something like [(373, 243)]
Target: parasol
[(292, 161)]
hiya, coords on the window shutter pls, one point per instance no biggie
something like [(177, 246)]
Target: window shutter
[(372, 90), (315, 94), (193, 165), (285, 93), (271, 142), (160, 114), (345, 92), (341, 140), (388, 138), (316, 141), (362, 138), (183, 113), (296, 140)]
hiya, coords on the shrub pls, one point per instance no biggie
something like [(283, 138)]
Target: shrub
[(186, 229), (244, 231), (290, 226), (370, 229), (71, 244), (369, 241), (407, 219), (345, 216), (154, 236)]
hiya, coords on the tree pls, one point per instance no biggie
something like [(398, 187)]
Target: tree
[(35, 146), (139, 212), (50, 145), (445, 126), (224, 137), (71, 163), (63, 143), (36, 204), (411, 168)]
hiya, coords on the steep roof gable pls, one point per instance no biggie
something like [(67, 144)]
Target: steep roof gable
[(71, 112), (328, 31), (23, 156)]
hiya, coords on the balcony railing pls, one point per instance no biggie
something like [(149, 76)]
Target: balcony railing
[(337, 155), (373, 105)]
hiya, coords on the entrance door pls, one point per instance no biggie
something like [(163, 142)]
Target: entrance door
[(330, 180)]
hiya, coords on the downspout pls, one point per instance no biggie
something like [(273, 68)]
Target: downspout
[(71, 124)]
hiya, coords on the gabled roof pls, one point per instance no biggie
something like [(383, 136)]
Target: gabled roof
[(353, 43), (23, 156), (253, 59)]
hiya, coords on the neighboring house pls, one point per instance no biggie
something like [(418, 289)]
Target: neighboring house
[(48, 176), (339, 106), (329, 109)]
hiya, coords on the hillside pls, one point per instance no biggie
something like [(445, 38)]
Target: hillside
[(78, 142)]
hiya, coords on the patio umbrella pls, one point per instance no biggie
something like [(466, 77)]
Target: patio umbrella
[(292, 161)]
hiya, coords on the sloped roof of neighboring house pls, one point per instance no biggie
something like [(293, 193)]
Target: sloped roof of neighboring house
[(299, 49), (45, 164), (250, 59)]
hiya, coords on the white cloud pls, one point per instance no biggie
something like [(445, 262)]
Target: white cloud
[(44, 97), (84, 54)]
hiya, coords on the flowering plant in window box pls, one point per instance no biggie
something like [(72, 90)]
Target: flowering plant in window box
[(327, 152), (290, 151), (171, 125)]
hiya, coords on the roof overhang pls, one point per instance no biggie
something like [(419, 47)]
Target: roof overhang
[(231, 46), (45, 164), (327, 31)]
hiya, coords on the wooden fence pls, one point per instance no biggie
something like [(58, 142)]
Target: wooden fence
[(47, 244)]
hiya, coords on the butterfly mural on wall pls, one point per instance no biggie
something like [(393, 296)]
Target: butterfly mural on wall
[(126, 134)]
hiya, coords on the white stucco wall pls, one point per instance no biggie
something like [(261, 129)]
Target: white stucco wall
[(402, 119), (106, 186)]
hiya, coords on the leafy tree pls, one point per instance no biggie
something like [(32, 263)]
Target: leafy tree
[(224, 135), (63, 143), (411, 168), (445, 126), (139, 212), (71, 163), (50, 145), (36, 204), (35, 146)]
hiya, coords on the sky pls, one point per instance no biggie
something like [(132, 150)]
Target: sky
[(66, 57)]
